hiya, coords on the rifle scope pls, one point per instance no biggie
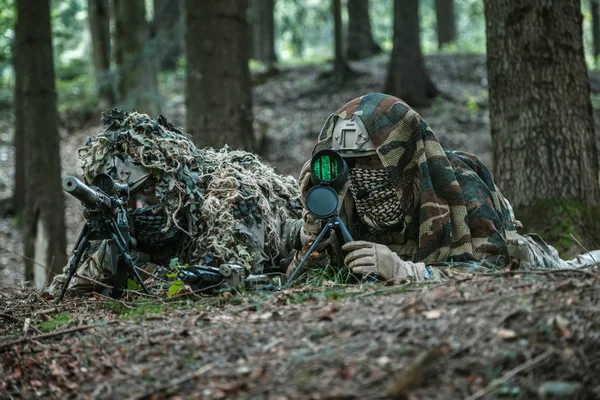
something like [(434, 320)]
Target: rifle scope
[(329, 173)]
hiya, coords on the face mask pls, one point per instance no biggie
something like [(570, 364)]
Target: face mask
[(376, 200), (150, 223)]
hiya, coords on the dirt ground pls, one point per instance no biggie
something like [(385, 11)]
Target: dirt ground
[(510, 334)]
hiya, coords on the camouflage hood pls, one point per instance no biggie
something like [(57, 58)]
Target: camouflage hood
[(451, 207), (227, 203)]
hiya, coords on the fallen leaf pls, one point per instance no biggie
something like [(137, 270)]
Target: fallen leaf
[(434, 314), (506, 334)]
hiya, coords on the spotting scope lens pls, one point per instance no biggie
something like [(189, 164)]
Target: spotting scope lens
[(327, 167)]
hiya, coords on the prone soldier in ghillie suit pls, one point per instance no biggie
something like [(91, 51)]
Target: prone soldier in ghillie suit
[(202, 206), (415, 210)]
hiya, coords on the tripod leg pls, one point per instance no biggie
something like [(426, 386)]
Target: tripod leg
[(83, 244), (343, 229), (327, 226)]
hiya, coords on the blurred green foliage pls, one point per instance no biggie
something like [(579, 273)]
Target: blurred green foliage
[(304, 34)]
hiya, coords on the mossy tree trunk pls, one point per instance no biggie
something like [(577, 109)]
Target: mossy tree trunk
[(407, 77), (43, 218), (136, 58), (540, 111), (99, 20), (218, 97), (360, 37)]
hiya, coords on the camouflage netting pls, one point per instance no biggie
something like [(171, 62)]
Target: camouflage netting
[(228, 203)]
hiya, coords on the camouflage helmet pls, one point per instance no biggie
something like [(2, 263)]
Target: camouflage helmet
[(351, 139)]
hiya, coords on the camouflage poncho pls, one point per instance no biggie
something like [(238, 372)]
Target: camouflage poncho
[(450, 206)]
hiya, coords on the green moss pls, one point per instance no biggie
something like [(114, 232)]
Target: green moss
[(557, 221), (56, 322)]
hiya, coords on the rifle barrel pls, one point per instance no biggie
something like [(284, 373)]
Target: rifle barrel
[(89, 197)]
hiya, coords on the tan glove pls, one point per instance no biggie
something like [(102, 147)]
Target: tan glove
[(367, 258)]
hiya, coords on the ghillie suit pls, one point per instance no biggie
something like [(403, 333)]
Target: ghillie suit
[(202, 206)]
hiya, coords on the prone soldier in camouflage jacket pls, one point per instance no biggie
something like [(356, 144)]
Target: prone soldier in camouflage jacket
[(415, 210)]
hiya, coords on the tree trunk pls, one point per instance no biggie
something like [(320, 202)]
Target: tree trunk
[(218, 96), (446, 25), (18, 199), (407, 77), (43, 219), (540, 109), (360, 37), (262, 24), (168, 32), (341, 69), (595, 9), (99, 19), (136, 59)]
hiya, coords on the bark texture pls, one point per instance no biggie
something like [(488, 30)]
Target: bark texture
[(43, 219), (446, 22), (18, 199), (595, 9), (262, 24), (407, 77), (168, 32), (99, 19), (360, 37), (218, 96), (540, 110), (135, 57)]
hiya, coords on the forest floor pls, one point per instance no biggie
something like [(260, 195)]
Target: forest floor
[(511, 334)]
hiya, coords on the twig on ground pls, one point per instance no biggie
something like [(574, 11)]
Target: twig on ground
[(53, 334), (19, 320), (584, 249), (510, 374), (24, 257), (541, 272)]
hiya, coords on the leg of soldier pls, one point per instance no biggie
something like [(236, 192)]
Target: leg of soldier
[(96, 267)]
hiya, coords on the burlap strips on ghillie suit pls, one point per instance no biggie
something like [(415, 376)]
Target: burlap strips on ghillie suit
[(451, 207), (228, 204)]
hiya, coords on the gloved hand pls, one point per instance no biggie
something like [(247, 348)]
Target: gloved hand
[(367, 258)]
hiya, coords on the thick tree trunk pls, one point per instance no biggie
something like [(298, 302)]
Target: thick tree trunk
[(43, 219), (18, 199), (446, 23), (168, 32), (136, 58), (595, 9), (99, 19), (540, 109), (262, 24), (360, 37), (407, 77), (218, 96)]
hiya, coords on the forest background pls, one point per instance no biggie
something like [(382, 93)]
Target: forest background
[(513, 82)]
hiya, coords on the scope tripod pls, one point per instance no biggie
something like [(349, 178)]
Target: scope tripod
[(99, 226)]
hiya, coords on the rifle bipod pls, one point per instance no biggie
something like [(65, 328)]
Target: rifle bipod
[(106, 220)]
